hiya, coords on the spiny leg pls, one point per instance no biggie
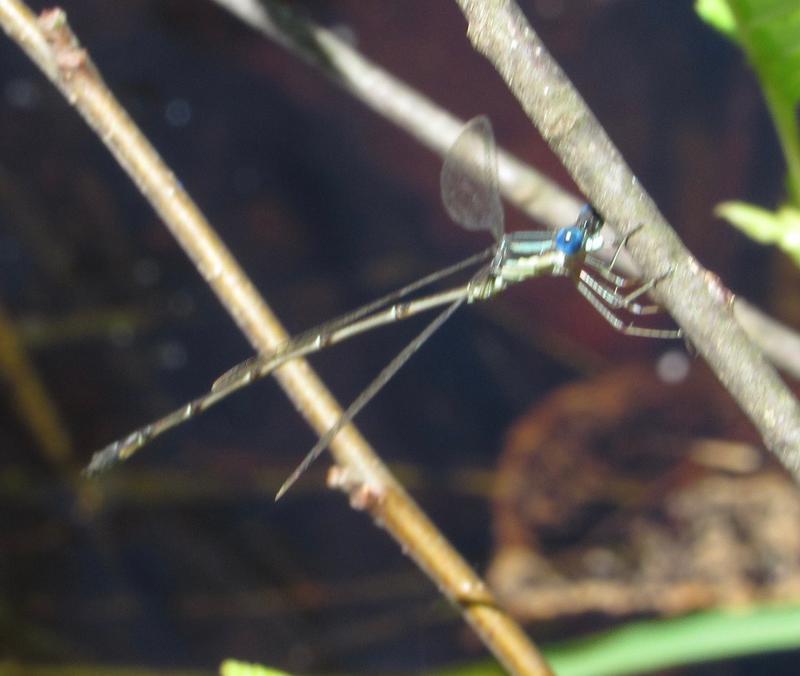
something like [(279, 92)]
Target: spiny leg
[(602, 268), (628, 329), (621, 245), (644, 288), (606, 270), (619, 301)]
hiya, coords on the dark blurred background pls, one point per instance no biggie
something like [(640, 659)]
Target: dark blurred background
[(181, 558)]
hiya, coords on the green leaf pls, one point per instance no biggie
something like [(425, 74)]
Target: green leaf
[(666, 643), (235, 668), (718, 14), (781, 227), (769, 33)]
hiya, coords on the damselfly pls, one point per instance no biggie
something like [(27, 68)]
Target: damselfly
[(472, 199)]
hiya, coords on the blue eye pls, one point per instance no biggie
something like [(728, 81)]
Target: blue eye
[(569, 240)]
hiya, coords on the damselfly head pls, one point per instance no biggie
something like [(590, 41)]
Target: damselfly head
[(570, 240), (584, 235)]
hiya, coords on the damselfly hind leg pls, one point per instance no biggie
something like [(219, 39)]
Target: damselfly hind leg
[(617, 300), (607, 301)]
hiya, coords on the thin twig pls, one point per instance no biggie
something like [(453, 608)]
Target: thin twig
[(781, 345), (54, 48), (32, 400), (695, 297)]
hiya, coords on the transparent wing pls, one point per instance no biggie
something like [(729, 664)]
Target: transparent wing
[(469, 179)]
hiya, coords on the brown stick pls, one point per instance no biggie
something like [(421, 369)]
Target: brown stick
[(32, 400), (696, 298), (54, 48)]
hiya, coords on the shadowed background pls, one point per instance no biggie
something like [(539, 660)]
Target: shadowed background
[(180, 558)]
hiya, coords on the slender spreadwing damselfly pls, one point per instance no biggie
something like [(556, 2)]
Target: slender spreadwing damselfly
[(471, 196)]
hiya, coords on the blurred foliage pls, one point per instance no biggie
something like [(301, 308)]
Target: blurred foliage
[(234, 668), (768, 32), (650, 645)]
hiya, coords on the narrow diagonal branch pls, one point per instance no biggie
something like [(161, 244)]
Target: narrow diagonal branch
[(54, 48), (32, 399), (695, 297)]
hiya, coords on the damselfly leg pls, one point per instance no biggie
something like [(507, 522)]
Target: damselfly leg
[(628, 328), (616, 300), (606, 301)]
